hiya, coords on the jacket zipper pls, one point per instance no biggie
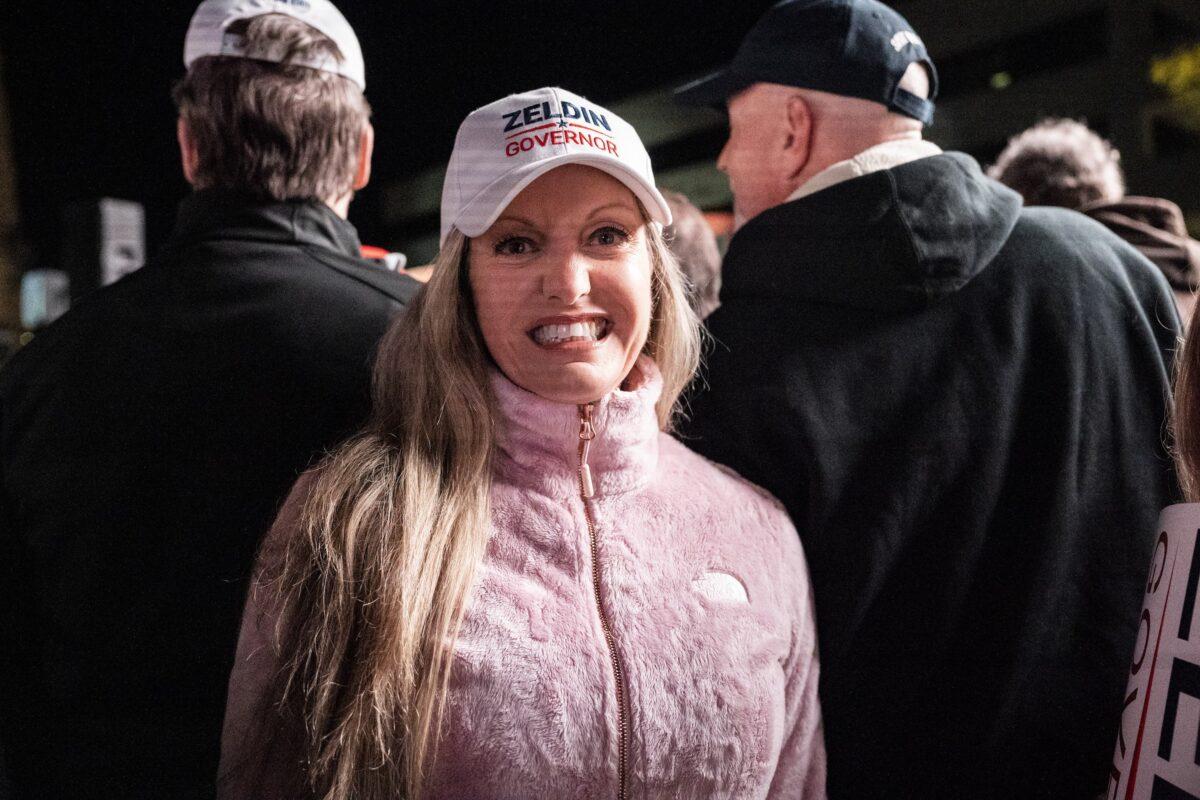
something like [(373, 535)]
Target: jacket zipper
[(586, 490)]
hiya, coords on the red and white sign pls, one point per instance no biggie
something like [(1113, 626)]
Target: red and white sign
[(1158, 747)]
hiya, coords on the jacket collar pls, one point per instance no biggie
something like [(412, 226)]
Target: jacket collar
[(220, 214), (1155, 227), (882, 156), (538, 440)]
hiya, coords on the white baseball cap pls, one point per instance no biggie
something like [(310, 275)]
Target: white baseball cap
[(504, 146), (208, 35)]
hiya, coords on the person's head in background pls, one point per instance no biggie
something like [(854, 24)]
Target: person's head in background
[(1061, 162), (272, 105), (815, 83), (694, 246)]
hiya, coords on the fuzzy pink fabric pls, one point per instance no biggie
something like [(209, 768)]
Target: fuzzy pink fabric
[(708, 592)]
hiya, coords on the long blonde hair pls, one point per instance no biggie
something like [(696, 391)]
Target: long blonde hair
[(372, 587), (1185, 416)]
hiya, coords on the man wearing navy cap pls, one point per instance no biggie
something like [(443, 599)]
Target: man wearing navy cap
[(960, 401)]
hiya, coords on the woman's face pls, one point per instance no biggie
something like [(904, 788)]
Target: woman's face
[(561, 283)]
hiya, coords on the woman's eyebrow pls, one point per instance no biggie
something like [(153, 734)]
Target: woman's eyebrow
[(615, 204), (516, 219)]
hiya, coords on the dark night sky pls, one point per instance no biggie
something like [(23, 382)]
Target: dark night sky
[(89, 83)]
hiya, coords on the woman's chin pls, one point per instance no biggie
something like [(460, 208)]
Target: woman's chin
[(573, 383)]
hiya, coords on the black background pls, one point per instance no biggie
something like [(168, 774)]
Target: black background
[(89, 85)]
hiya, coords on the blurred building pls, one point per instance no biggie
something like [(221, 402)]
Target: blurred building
[(1087, 59), (1003, 66)]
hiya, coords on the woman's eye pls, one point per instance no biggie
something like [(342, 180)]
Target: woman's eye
[(609, 236), (513, 246)]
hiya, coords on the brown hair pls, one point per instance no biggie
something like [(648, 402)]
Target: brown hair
[(1061, 162), (275, 131), (694, 246)]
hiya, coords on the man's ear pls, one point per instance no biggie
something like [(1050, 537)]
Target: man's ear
[(189, 156), (366, 146), (797, 146)]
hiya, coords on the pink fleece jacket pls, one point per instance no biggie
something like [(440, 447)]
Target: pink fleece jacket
[(658, 634)]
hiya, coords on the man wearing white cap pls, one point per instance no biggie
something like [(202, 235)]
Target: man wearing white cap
[(147, 438)]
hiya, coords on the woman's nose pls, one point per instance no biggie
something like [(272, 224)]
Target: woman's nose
[(566, 278)]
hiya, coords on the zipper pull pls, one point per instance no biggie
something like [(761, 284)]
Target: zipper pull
[(586, 434)]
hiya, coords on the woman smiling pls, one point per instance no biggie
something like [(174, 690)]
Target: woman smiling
[(515, 583)]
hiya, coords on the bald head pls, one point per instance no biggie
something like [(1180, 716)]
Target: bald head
[(781, 136)]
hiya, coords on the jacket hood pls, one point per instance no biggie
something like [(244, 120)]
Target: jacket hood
[(1156, 228), (890, 239), (538, 439)]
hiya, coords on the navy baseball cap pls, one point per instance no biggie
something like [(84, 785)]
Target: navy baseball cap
[(855, 48)]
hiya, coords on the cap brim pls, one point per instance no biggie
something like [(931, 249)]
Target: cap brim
[(711, 90), (499, 194)]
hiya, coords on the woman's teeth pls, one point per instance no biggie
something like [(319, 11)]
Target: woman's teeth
[(588, 331)]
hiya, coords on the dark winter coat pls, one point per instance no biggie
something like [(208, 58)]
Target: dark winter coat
[(147, 440), (961, 402)]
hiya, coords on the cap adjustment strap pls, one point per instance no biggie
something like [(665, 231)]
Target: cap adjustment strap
[(916, 107)]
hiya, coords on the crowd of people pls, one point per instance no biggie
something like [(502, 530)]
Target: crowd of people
[(863, 509)]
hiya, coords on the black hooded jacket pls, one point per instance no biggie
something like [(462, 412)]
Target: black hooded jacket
[(962, 404), (147, 440)]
